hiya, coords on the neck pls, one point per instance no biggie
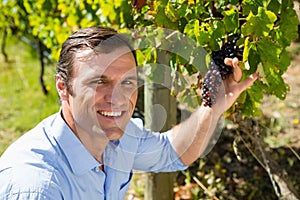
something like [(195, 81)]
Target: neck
[(94, 142)]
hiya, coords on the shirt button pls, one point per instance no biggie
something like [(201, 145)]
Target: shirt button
[(97, 169)]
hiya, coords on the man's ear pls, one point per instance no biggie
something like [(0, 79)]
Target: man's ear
[(61, 87)]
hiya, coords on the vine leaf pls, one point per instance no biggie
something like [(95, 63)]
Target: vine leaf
[(260, 24), (231, 19)]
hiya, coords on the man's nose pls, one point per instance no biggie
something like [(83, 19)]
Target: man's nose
[(114, 95)]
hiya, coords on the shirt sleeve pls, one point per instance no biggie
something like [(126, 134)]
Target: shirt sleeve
[(156, 153)]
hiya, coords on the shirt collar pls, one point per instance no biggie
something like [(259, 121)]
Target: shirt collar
[(120, 154), (79, 158)]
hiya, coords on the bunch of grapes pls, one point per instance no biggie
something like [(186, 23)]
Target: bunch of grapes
[(218, 71)]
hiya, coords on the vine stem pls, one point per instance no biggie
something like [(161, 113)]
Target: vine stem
[(266, 162), (205, 188), (250, 150), (294, 152)]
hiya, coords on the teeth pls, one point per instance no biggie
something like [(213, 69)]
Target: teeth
[(110, 114)]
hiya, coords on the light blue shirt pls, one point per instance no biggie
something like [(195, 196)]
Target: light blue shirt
[(50, 162)]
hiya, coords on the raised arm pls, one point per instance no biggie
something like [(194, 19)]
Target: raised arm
[(192, 137)]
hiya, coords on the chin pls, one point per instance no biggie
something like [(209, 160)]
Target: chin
[(114, 134)]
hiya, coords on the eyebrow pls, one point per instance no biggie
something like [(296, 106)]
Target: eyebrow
[(106, 77), (99, 76), (131, 78)]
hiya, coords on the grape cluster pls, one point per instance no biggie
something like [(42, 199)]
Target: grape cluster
[(218, 71)]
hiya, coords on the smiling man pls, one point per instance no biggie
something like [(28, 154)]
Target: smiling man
[(89, 148)]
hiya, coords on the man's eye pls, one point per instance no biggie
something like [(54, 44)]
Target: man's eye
[(127, 82), (98, 81)]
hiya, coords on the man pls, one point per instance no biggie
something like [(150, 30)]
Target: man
[(89, 148)]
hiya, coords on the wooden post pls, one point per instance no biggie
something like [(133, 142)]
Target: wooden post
[(160, 115)]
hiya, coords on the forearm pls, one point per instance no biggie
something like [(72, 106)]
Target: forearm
[(192, 137)]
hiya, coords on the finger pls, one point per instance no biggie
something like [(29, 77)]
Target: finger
[(228, 61), (237, 71), (248, 82)]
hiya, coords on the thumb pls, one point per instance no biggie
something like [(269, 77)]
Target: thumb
[(248, 82)]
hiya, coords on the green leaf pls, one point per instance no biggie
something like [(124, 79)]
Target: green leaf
[(196, 28), (218, 29), (247, 47), (183, 10), (162, 20), (260, 24), (189, 98), (108, 11), (242, 98), (195, 31), (189, 28), (276, 85), (204, 37), (233, 2), (274, 6), (251, 6), (254, 96), (47, 5), (253, 60), (288, 26), (28, 6), (284, 61), (140, 57), (200, 58), (72, 20), (262, 75), (231, 19), (191, 69), (183, 51), (268, 50), (272, 58), (171, 12)]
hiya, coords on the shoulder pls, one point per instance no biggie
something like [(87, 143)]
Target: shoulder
[(29, 167), (28, 182), (37, 145)]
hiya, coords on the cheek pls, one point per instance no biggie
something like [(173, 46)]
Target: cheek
[(133, 98), (83, 108), (83, 99)]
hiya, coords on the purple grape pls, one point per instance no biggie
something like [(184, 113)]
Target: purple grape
[(218, 71)]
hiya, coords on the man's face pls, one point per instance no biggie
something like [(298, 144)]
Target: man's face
[(104, 92)]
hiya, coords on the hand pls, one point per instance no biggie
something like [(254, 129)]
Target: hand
[(232, 86)]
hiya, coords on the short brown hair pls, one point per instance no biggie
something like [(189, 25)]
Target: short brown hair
[(87, 38)]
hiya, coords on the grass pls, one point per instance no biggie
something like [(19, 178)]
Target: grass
[(22, 101)]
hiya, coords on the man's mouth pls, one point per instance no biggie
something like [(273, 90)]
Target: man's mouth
[(110, 114)]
